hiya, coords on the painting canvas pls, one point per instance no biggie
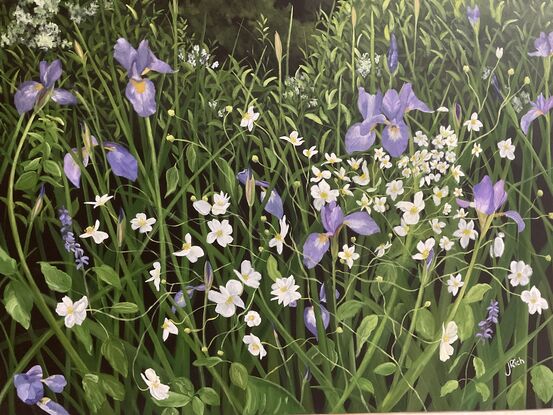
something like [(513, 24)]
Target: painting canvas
[(275, 207)]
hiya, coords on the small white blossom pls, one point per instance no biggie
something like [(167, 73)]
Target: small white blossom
[(424, 249), (190, 251), (449, 336), (220, 232), (168, 328), (92, 231), (412, 210), (348, 255), (155, 275), (506, 149), (323, 194), (158, 390), (254, 345), (293, 139), (227, 298), (142, 223), (445, 243), (74, 313), (465, 232), (249, 118), (454, 283), (473, 124), (534, 300), (520, 273), (248, 275), (99, 201), (285, 291), (394, 189), (252, 318)]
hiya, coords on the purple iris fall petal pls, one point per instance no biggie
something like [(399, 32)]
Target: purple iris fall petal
[(392, 55), (361, 136), (395, 138), (27, 95), (63, 97), (543, 45), (121, 161), (539, 107), (361, 223), (517, 218), (311, 321), (332, 217), (314, 249), (473, 15), (51, 407), (29, 385), (484, 196), (411, 101), (71, 168), (56, 383), (274, 204), (142, 95)]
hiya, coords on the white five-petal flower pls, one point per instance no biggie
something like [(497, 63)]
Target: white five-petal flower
[(449, 336), (254, 345), (278, 240), (168, 328), (190, 251), (424, 249), (158, 390), (142, 223), (473, 124), (248, 275), (323, 194), (92, 231), (293, 138), (506, 149), (74, 313), (285, 291), (348, 255), (411, 210), (227, 298), (249, 118), (454, 283), (220, 232), (520, 273), (155, 275), (99, 201), (465, 232), (534, 300), (252, 318)]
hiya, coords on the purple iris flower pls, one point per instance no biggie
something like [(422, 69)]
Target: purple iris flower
[(361, 135), (540, 107), (180, 300), (473, 14), (121, 161), (309, 314), (274, 204), (140, 91), (333, 220), (489, 198), (30, 389), (392, 56), (31, 94), (543, 45), (395, 136)]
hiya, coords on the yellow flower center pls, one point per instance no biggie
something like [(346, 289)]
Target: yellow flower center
[(139, 86), (89, 230)]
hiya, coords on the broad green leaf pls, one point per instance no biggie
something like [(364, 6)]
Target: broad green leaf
[(94, 393), (52, 168), (209, 396), (207, 361), (476, 293), (425, 324), (515, 393), (483, 390), (18, 302), (542, 382), (198, 406), (83, 335), (348, 309), (113, 350), (27, 181), (191, 157), (108, 275), (8, 265), (385, 369), (172, 179), (448, 387), (170, 411), (465, 321), (314, 117), (479, 367), (182, 385), (368, 324), (270, 399), (125, 308), (56, 279), (174, 400), (272, 268), (366, 385), (239, 375), (112, 386)]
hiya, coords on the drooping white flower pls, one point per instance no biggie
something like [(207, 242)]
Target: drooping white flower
[(92, 231), (190, 251), (285, 291), (74, 313), (331, 159), (227, 298), (293, 138), (498, 246), (202, 207), (382, 249), (341, 174), (310, 152), (254, 345), (534, 300), (437, 225), (363, 179), (220, 204), (252, 318), (449, 336), (424, 249), (473, 124), (348, 255), (379, 204), (319, 175), (278, 239), (168, 328), (394, 189), (248, 275), (465, 232), (520, 273), (402, 229), (499, 53), (220, 232), (142, 223), (506, 149), (411, 210), (323, 194), (445, 243), (456, 173), (454, 283), (158, 390), (249, 118), (99, 200), (155, 275), (355, 163)]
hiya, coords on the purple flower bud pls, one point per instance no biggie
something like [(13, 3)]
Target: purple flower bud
[(473, 15), (208, 275), (392, 56)]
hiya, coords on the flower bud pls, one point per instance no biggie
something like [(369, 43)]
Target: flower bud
[(353, 239), (511, 72), (250, 189), (499, 53), (266, 232), (170, 138), (193, 198), (121, 225), (79, 51), (255, 159), (220, 353), (208, 275), (466, 69), (378, 278), (527, 80), (548, 258), (427, 304), (38, 204), (540, 193), (297, 184), (263, 218), (171, 112), (339, 330), (187, 330), (204, 349), (229, 108), (550, 214), (261, 249)]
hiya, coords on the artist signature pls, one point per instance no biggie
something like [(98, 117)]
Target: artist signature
[(511, 364)]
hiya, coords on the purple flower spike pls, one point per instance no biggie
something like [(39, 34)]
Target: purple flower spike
[(489, 198), (140, 92), (332, 218), (473, 15), (311, 322), (540, 107), (543, 45), (31, 93), (485, 331), (121, 161), (392, 56), (361, 136)]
